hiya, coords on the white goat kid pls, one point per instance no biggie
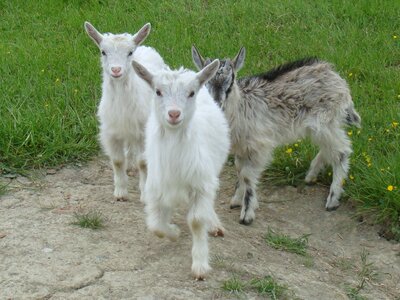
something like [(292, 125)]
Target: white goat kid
[(187, 143), (295, 100), (124, 105)]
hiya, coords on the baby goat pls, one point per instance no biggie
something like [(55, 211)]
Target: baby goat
[(124, 105), (295, 100), (187, 143)]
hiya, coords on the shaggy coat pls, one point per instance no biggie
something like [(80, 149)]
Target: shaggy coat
[(305, 98)]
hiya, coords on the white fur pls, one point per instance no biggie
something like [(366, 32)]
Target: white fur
[(124, 107), (184, 160)]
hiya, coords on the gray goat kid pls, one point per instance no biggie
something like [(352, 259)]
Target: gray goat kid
[(305, 98)]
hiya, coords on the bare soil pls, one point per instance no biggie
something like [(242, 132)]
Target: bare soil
[(44, 256)]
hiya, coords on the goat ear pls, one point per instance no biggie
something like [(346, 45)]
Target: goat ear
[(197, 58), (142, 34), (142, 72), (238, 61), (208, 72), (96, 36)]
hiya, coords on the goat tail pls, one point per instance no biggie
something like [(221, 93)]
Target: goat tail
[(352, 117)]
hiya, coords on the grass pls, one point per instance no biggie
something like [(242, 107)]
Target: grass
[(93, 220), (265, 286), (365, 274), (2, 189), (51, 79), (286, 243), (268, 286), (233, 285)]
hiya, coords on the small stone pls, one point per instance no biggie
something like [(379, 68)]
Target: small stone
[(51, 171), (47, 250)]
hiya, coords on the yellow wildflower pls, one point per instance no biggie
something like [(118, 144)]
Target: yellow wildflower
[(289, 150), (369, 139), (351, 177), (395, 124), (390, 188), (369, 165), (350, 132), (387, 130), (395, 37), (350, 74), (296, 145), (57, 80), (358, 132), (382, 170)]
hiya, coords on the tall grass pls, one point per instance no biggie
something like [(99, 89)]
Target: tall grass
[(50, 74)]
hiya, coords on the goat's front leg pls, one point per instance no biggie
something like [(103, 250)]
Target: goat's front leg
[(159, 217), (142, 174), (114, 148), (201, 214), (249, 170)]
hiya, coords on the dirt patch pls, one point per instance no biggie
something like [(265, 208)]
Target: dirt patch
[(44, 256)]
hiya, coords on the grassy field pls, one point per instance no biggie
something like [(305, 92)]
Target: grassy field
[(50, 76)]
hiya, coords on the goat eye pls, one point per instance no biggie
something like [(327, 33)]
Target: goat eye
[(191, 94), (130, 53), (158, 92), (103, 53)]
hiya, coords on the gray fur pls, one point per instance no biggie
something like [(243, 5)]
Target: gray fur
[(301, 99)]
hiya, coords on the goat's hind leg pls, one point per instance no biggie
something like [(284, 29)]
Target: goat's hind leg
[(337, 149), (316, 166)]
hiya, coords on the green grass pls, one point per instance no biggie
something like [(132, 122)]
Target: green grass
[(365, 273), (268, 286), (92, 220), (233, 285), (50, 83), (265, 286), (284, 242)]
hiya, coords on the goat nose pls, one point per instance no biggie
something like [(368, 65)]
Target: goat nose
[(174, 114), (116, 70)]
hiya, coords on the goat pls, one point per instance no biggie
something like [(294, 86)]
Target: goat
[(186, 146), (124, 105), (295, 100)]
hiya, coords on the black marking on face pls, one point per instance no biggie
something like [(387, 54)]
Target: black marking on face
[(229, 90), (273, 74)]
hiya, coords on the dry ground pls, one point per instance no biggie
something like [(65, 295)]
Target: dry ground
[(44, 256)]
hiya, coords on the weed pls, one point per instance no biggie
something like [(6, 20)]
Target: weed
[(268, 286), (233, 285), (92, 220), (283, 242), (366, 273)]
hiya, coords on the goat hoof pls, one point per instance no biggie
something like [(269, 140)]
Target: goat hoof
[(333, 208), (200, 278), (246, 222), (219, 232), (122, 199), (233, 206)]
